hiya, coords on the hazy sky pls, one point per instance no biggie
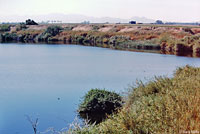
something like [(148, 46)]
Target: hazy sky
[(168, 10)]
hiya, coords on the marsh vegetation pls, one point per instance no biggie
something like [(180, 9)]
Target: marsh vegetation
[(179, 40), (164, 105)]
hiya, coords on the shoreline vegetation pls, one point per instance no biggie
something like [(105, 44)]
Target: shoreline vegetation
[(166, 39), (163, 105)]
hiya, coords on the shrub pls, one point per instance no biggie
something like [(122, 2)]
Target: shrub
[(43, 37), (49, 33), (188, 30), (68, 28), (1, 37), (9, 37), (21, 26), (164, 105), (97, 27), (53, 30), (97, 103), (5, 28)]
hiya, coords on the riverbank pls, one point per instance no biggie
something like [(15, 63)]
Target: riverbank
[(178, 40), (164, 105)]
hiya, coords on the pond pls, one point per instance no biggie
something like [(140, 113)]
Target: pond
[(48, 81)]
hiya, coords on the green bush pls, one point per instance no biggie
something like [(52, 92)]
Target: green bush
[(79, 39), (4, 27), (1, 37), (53, 30), (98, 103), (49, 33), (9, 37), (21, 26), (68, 28), (97, 27)]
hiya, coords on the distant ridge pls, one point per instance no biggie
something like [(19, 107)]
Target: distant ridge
[(72, 18)]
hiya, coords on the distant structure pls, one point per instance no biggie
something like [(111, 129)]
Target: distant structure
[(182, 23), (132, 22), (85, 22), (54, 21)]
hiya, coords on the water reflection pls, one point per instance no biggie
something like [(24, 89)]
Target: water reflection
[(138, 49)]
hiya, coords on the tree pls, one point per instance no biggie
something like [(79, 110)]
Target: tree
[(159, 22), (31, 22), (132, 22)]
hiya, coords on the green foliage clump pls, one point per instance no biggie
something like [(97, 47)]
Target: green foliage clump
[(4, 28), (97, 27), (118, 39), (53, 30), (69, 28), (9, 37), (43, 37), (78, 39), (21, 26), (1, 37), (49, 33), (97, 103)]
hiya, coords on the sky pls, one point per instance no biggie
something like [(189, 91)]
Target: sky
[(166, 10)]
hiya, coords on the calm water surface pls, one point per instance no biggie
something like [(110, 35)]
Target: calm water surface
[(33, 77)]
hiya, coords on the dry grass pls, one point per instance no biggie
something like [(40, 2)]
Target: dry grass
[(165, 105), (162, 106)]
